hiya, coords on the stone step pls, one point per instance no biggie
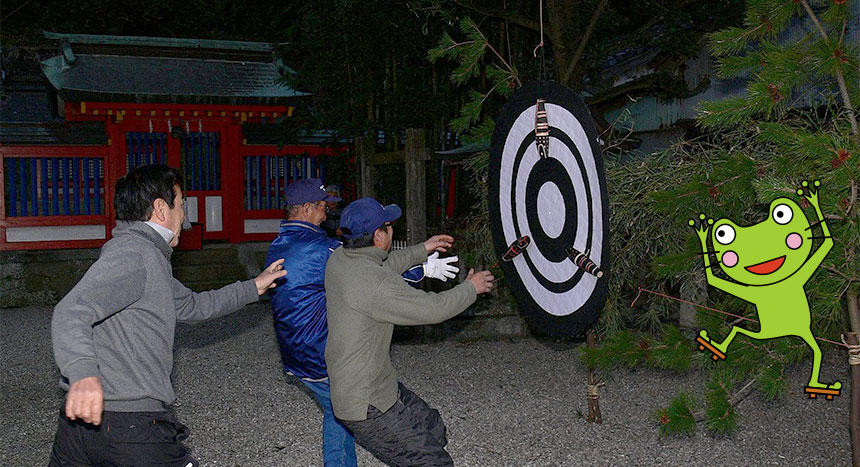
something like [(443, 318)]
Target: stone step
[(206, 256), (464, 329), (210, 272), (212, 267)]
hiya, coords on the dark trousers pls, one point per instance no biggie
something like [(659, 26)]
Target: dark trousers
[(410, 433), (123, 438)]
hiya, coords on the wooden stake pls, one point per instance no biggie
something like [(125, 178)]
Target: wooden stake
[(593, 396), (853, 339)]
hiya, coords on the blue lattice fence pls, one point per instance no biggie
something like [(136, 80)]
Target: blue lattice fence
[(266, 178), (145, 148), (201, 161), (53, 186)]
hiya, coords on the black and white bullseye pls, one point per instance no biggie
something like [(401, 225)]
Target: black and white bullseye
[(558, 200)]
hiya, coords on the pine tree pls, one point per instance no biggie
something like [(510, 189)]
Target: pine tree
[(785, 74), (796, 122)]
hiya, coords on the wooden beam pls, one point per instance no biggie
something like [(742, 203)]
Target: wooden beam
[(364, 148), (393, 157), (416, 198)]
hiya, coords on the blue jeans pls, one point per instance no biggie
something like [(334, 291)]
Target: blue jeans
[(338, 443)]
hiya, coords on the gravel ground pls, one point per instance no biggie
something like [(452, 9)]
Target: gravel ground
[(505, 403)]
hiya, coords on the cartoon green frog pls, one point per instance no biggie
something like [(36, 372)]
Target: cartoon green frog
[(769, 264)]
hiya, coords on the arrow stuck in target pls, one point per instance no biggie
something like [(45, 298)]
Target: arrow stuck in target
[(582, 261), (541, 129), (514, 249)]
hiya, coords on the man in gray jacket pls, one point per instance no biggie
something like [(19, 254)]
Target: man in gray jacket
[(113, 333), (366, 298)]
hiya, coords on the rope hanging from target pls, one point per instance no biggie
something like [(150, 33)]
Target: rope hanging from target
[(540, 45), (542, 61)]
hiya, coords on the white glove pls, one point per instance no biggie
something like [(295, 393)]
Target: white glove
[(441, 268)]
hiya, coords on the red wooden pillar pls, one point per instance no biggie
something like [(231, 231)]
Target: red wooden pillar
[(174, 148), (2, 198), (115, 167), (232, 164)]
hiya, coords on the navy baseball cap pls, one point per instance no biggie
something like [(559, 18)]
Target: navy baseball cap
[(307, 190), (363, 216)]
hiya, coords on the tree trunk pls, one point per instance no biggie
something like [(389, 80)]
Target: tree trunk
[(694, 291), (853, 339), (570, 72), (556, 15), (853, 309)]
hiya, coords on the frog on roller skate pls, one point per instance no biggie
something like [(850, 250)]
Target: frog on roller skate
[(769, 264)]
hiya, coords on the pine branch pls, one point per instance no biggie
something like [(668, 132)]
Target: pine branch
[(841, 274), (584, 40), (505, 63), (730, 41), (502, 14), (678, 417), (840, 78), (736, 398)]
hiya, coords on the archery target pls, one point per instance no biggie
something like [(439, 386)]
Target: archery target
[(559, 202)]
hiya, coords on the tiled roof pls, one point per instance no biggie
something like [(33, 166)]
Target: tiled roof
[(35, 133), (157, 78), (140, 69)]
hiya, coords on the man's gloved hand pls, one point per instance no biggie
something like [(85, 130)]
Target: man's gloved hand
[(441, 268)]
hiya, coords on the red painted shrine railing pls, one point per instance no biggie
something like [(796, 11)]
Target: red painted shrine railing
[(48, 188)]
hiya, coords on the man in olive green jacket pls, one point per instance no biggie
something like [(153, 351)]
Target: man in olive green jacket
[(366, 297)]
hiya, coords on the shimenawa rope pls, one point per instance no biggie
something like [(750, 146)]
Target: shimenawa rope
[(853, 352)]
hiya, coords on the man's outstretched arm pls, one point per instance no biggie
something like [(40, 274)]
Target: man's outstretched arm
[(194, 307)]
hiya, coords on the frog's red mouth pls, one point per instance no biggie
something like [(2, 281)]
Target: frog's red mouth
[(766, 267)]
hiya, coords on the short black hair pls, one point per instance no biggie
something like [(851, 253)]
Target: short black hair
[(364, 241), (291, 210), (137, 191)]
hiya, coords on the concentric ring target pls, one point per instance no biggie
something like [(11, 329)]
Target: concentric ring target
[(559, 201)]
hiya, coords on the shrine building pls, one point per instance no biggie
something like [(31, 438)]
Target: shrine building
[(210, 108)]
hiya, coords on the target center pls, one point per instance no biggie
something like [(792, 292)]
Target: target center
[(551, 209)]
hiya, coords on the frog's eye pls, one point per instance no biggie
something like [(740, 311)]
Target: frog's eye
[(782, 214), (725, 234)]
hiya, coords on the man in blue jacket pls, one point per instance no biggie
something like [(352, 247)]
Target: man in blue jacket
[(299, 304)]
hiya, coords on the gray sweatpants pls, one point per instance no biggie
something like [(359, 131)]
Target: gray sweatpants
[(410, 433)]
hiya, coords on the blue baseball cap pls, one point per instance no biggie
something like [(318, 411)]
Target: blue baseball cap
[(363, 216), (307, 190)]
